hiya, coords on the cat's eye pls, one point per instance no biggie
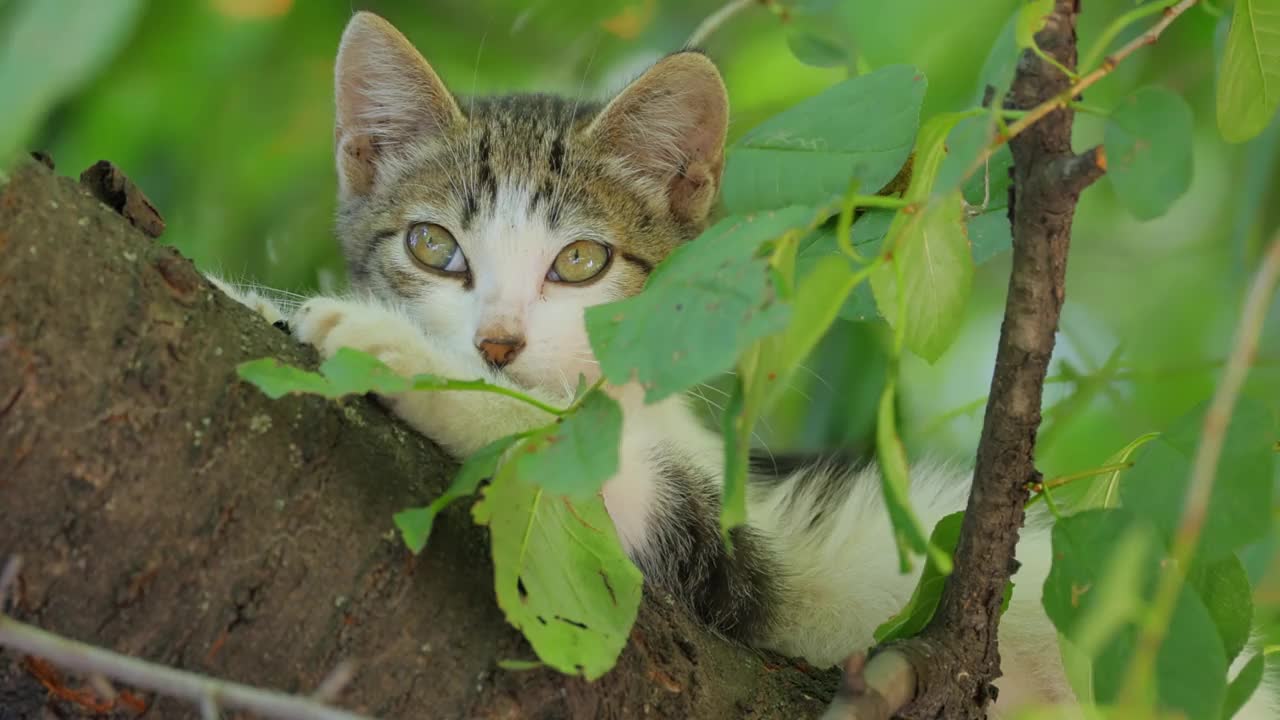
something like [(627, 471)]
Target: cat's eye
[(579, 261), (435, 247)]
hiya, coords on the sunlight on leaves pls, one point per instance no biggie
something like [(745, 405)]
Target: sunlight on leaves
[(933, 259)]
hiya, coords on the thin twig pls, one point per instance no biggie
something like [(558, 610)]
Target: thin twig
[(8, 576), (199, 689), (873, 690), (333, 685), (1118, 25), (718, 18), (1203, 472), (1064, 98)]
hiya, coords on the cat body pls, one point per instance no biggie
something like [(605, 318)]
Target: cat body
[(476, 233)]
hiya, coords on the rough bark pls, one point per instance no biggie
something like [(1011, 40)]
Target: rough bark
[(956, 657), (168, 511)]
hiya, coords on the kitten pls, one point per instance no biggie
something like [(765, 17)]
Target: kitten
[(477, 233)]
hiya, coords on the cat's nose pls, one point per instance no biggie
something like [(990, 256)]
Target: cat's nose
[(500, 351)]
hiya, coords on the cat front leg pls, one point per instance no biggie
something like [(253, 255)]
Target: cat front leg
[(251, 298), (460, 421)]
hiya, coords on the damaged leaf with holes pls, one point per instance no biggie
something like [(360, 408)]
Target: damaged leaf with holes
[(560, 574)]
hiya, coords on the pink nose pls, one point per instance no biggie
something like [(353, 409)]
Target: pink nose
[(500, 351)]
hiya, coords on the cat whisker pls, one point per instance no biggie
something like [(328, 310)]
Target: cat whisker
[(714, 389), (816, 376)]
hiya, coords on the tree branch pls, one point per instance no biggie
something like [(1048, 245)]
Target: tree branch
[(169, 513), (875, 689), (196, 688), (1061, 99), (964, 628)]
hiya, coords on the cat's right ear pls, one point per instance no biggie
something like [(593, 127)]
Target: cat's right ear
[(387, 97)]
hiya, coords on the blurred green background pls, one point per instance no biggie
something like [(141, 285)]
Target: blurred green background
[(221, 111)]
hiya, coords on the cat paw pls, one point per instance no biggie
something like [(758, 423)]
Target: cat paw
[(331, 323), (252, 299)]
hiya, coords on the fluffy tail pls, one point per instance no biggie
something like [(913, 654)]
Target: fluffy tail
[(827, 526)]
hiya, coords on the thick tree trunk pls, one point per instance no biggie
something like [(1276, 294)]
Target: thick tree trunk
[(170, 512)]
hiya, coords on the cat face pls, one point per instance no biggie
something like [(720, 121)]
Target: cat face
[(495, 222)]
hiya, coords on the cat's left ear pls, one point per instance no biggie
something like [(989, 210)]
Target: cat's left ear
[(387, 97), (671, 124)]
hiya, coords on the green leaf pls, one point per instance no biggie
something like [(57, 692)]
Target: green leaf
[(1031, 20), (706, 303), (736, 425), (989, 235), (819, 299), (935, 266), (1243, 687), (415, 523), (1191, 669), (351, 372), (276, 380), (908, 533), (1104, 490), (924, 598), (1249, 74), (1002, 61), (578, 453), (931, 152), (348, 372), (1148, 145), (1239, 509), (1105, 563), (1224, 589), (560, 574), (819, 48), (1100, 573), (861, 129), (48, 49)]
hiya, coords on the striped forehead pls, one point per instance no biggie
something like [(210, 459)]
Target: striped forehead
[(528, 145)]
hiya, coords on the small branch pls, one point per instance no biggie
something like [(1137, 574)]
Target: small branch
[(1065, 97), (8, 577), (1080, 171), (206, 692), (1118, 25), (713, 21), (333, 685), (1068, 479), (873, 690), (1204, 471)]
